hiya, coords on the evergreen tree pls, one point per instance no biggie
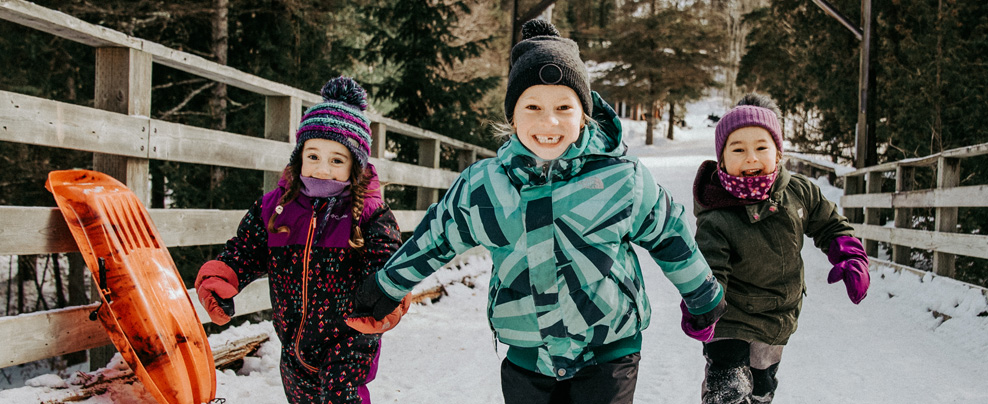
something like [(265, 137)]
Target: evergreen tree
[(808, 63), (666, 56), (414, 42), (930, 91)]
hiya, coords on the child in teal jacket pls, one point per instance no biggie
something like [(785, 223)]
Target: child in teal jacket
[(558, 208)]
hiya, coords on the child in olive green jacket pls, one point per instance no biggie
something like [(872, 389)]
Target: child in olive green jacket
[(751, 218)]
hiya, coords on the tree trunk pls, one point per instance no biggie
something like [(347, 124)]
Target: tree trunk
[(77, 297), (26, 271), (220, 48), (77, 280), (936, 142), (649, 128), (672, 120), (217, 103), (737, 32), (157, 185), (59, 287)]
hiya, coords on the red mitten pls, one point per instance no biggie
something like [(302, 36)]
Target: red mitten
[(216, 285), (370, 325)]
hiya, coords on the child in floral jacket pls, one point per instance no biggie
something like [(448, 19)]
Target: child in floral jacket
[(317, 236)]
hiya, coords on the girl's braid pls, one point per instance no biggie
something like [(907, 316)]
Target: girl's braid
[(358, 191)]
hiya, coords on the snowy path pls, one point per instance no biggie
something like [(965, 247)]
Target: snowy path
[(885, 350)]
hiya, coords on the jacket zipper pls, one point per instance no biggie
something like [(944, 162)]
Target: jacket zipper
[(305, 290)]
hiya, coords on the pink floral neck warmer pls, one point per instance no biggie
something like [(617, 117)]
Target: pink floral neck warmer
[(751, 188)]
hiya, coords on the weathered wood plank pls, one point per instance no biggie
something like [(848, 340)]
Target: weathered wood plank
[(926, 161), (968, 151), (190, 144), (63, 25), (419, 133), (34, 336), (37, 121), (254, 298), (56, 332), (72, 28), (39, 230), (189, 227), (972, 245), (408, 219), (972, 196), (28, 230), (408, 174)]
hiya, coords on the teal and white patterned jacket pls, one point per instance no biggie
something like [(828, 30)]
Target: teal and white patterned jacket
[(565, 277)]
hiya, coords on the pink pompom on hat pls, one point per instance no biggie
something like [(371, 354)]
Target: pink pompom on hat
[(744, 116)]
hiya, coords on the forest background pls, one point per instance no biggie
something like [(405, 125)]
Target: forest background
[(442, 65)]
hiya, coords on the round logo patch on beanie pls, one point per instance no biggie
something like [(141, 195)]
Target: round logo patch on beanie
[(550, 74)]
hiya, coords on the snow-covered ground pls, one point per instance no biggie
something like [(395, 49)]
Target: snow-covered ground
[(912, 340)]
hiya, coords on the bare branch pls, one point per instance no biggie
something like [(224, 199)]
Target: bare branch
[(188, 98)]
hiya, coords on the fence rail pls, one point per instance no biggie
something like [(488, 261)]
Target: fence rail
[(123, 139), (863, 198)]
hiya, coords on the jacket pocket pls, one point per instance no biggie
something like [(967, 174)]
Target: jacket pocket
[(512, 316), (754, 304)]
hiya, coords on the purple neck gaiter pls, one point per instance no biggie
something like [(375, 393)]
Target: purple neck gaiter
[(751, 188), (319, 188)]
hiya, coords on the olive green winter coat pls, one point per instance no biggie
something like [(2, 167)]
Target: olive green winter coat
[(753, 248)]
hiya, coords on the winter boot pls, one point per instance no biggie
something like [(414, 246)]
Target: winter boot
[(728, 378), (728, 386), (764, 384)]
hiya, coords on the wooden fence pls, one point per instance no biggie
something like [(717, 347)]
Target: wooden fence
[(123, 140), (864, 199)]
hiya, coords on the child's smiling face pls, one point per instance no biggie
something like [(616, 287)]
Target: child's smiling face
[(326, 160), (547, 119), (750, 152)]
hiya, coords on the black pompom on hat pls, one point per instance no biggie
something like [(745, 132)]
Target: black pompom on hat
[(543, 57)]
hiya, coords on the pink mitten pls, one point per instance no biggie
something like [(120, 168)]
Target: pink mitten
[(216, 285)]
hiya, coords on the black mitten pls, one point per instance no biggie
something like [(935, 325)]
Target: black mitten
[(371, 301)]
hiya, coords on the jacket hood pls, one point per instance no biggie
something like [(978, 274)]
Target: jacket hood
[(603, 140), (709, 194)]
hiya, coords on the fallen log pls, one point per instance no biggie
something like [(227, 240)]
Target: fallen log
[(88, 385), (229, 355)]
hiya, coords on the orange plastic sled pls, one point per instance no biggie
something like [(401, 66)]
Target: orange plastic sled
[(146, 310)]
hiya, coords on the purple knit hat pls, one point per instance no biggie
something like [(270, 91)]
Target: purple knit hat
[(339, 118), (744, 116)]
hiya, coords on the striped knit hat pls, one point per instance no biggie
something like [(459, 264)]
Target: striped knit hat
[(744, 116), (340, 118)]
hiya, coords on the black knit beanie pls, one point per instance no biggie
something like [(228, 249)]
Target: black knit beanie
[(543, 57)]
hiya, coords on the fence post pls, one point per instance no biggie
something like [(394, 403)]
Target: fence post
[(429, 151), (853, 186), (281, 118), (872, 216), (379, 143), (466, 157), (905, 180), (948, 176), (123, 84)]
